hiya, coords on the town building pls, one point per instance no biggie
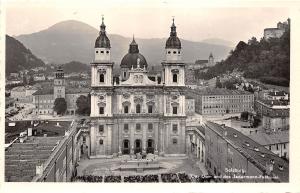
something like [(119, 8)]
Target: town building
[(221, 101), (204, 63), (44, 98), (274, 114), (230, 153), (39, 77), (23, 93), (136, 114), (277, 142), (277, 32)]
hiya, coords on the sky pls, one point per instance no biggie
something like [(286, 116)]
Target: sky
[(150, 19)]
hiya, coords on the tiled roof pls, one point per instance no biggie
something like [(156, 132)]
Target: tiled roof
[(44, 91), (221, 91), (271, 139), (279, 93), (239, 141), (77, 90)]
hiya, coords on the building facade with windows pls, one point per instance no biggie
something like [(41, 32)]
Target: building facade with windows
[(44, 98), (222, 101), (231, 153), (136, 114)]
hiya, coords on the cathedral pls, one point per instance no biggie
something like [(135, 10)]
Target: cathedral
[(135, 114)]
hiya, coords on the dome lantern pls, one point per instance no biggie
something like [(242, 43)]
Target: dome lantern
[(102, 40)]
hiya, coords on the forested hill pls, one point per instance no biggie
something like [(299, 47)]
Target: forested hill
[(18, 57), (266, 60)]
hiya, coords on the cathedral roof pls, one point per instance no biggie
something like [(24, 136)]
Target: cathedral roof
[(173, 41), (131, 58), (102, 40)]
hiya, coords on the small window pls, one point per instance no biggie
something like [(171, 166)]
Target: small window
[(107, 51), (101, 141), (150, 108), (126, 109), (101, 128), (101, 110), (101, 77), (138, 127), (169, 52), (174, 52), (174, 77), (284, 146), (175, 128), (174, 141), (178, 52), (138, 108), (97, 52), (102, 51), (277, 148), (124, 74), (174, 110), (126, 129), (150, 127)]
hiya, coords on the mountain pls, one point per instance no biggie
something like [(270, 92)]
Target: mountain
[(18, 57), (218, 41), (74, 40)]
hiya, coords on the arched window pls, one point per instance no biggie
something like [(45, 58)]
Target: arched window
[(101, 142), (101, 77), (126, 109), (174, 77), (138, 108)]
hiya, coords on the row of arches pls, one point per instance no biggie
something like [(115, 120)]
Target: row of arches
[(137, 146)]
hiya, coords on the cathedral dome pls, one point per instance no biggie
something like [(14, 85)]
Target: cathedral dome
[(173, 41), (131, 58), (102, 40)]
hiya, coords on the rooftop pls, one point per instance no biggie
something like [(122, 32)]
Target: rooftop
[(275, 102), (50, 91), (252, 150), (271, 139), (21, 159), (221, 91), (277, 93)]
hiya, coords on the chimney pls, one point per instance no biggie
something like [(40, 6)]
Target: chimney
[(269, 168), (39, 169)]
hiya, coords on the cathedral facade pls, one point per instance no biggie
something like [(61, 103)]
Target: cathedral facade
[(135, 114)]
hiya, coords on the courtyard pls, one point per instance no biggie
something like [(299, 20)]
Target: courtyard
[(106, 167)]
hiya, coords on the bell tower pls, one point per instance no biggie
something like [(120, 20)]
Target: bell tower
[(101, 96), (102, 81), (173, 65), (59, 84)]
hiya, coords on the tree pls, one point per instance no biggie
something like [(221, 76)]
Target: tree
[(24, 80), (83, 105), (31, 80), (244, 115), (60, 106)]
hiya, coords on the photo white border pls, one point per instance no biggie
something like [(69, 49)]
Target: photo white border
[(292, 186)]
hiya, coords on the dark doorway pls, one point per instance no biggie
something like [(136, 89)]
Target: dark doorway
[(150, 146), (138, 146), (126, 146)]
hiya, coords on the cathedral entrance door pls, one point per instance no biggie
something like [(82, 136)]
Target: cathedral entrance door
[(138, 146), (126, 146), (150, 146)]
